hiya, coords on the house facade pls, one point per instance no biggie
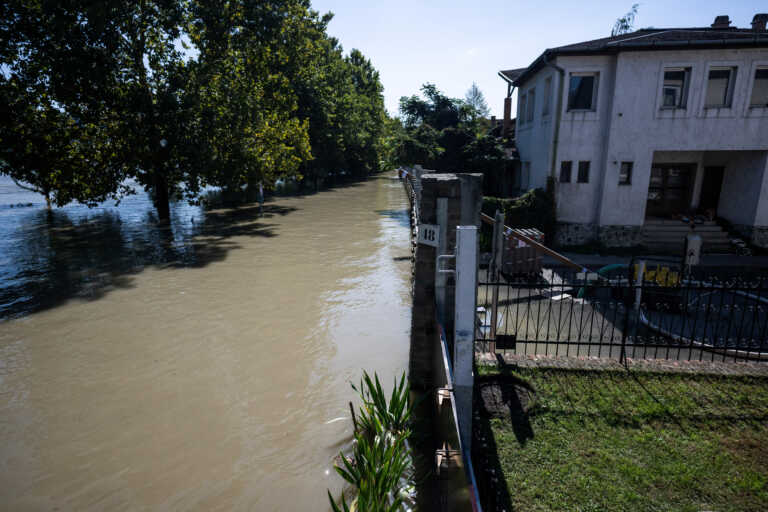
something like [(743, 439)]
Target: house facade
[(654, 124)]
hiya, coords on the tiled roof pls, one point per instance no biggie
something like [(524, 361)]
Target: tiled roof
[(665, 36), (650, 39)]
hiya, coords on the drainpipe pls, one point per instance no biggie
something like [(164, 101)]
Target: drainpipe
[(558, 112), (556, 134)]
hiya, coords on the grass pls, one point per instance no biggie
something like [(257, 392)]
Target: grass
[(615, 440)]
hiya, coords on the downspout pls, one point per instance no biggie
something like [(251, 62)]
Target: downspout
[(558, 113), (556, 134)]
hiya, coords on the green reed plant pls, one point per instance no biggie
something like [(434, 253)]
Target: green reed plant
[(380, 466)]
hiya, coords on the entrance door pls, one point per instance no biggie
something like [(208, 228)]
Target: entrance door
[(710, 188), (669, 191)]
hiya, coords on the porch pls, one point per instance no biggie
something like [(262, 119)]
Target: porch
[(708, 189)]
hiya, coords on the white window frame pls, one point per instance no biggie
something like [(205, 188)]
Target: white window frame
[(751, 84), (730, 94), (686, 93), (595, 91), (692, 106), (530, 108), (546, 107)]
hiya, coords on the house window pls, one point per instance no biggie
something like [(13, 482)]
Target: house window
[(582, 91), (675, 89), (525, 179), (720, 87), (583, 172), (531, 107), (565, 171), (521, 114), (760, 89), (547, 96), (625, 173)]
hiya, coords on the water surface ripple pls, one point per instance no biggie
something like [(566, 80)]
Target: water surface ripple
[(198, 366)]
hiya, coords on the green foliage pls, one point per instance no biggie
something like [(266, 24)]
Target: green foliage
[(534, 209), (179, 95), (380, 463), (626, 23), (446, 134)]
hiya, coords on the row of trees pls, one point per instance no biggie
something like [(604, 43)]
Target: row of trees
[(446, 134), (178, 95)]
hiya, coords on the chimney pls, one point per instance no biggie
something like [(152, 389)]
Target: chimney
[(721, 22), (507, 116), (759, 22)]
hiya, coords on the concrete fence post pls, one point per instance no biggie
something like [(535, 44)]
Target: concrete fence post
[(464, 327)]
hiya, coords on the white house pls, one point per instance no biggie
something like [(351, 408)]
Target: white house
[(648, 125)]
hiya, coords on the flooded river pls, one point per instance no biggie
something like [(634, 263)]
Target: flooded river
[(205, 366)]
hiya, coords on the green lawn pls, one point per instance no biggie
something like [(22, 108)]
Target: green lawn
[(614, 440)]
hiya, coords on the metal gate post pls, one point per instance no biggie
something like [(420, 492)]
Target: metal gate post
[(464, 327), (494, 269)]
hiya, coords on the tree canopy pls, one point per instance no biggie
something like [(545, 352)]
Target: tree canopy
[(446, 134), (179, 95)]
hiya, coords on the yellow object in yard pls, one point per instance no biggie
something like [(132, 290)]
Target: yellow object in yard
[(661, 276)]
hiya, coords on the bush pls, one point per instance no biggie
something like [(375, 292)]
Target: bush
[(534, 209), (380, 467)]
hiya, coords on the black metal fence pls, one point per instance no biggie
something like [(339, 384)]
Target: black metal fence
[(663, 317)]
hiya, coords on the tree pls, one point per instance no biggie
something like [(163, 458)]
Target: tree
[(110, 74), (246, 130), (626, 23), (476, 101), (45, 151), (98, 92), (435, 109)]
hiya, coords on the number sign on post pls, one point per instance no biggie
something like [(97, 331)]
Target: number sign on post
[(428, 234)]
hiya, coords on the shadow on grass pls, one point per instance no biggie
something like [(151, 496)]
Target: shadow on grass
[(693, 408), (507, 398)]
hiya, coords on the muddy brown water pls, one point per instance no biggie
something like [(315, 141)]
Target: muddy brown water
[(204, 368)]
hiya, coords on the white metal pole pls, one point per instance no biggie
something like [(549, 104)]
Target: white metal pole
[(464, 326)]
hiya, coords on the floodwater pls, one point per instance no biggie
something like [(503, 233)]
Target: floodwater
[(205, 366)]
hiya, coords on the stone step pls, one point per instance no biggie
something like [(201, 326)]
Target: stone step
[(681, 229), (675, 222), (717, 248), (677, 236)]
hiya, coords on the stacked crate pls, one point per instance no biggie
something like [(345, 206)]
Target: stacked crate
[(521, 259)]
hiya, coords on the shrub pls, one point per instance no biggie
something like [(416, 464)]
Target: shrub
[(534, 209), (380, 466)]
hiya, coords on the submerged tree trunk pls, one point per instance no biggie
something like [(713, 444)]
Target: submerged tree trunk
[(162, 200)]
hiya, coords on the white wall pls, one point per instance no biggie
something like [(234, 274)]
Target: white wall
[(628, 125), (744, 184), (583, 136), (639, 128), (534, 138)]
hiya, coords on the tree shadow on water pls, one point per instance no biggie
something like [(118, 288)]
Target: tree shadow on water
[(48, 258)]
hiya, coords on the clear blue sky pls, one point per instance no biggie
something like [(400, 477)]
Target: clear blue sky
[(455, 42)]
